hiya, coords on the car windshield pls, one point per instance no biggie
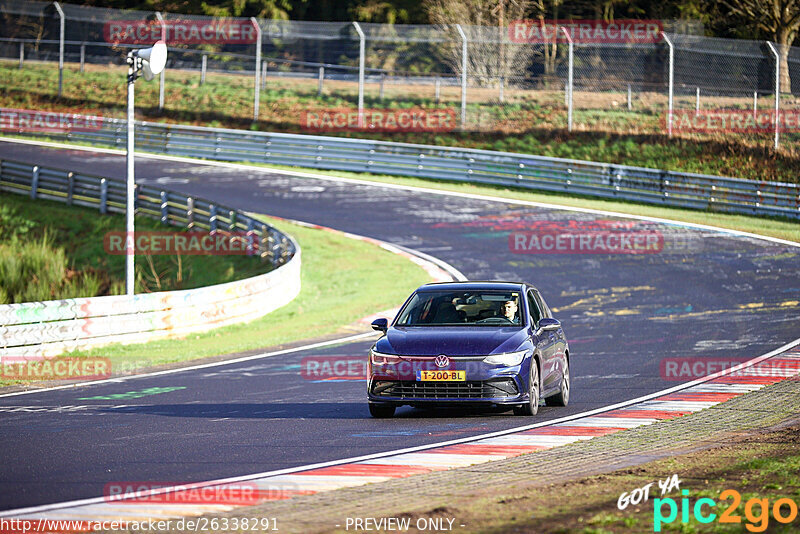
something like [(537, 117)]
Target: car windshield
[(462, 308)]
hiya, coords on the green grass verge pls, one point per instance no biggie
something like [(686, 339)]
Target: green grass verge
[(531, 122), (343, 280), (77, 233), (764, 467)]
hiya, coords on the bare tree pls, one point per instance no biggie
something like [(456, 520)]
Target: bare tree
[(491, 55), (549, 50), (778, 18)]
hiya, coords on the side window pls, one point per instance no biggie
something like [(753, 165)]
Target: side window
[(542, 305), (534, 309)]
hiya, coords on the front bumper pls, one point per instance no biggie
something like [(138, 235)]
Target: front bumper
[(485, 384), (493, 391)]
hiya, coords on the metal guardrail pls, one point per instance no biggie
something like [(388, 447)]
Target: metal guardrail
[(605, 180), (42, 329)]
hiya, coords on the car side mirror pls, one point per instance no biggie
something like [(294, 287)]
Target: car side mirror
[(549, 324), (381, 324)]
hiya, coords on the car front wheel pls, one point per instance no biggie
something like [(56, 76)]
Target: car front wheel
[(532, 406), (381, 411)]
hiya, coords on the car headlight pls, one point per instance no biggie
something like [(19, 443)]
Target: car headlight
[(379, 358), (509, 359)]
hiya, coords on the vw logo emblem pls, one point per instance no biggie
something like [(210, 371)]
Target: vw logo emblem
[(441, 361)]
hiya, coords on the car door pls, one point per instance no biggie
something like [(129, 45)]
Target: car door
[(544, 341), (558, 339)]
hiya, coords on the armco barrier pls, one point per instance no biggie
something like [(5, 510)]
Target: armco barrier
[(43, 329), (604, 180)]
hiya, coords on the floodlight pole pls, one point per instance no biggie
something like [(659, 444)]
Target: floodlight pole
[(129, 236), (161, 81)]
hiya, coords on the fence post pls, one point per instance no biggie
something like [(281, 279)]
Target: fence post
[(463, 76), (252, 238), (70, 187), (203, 67), (60, 47), (161, 81), (671, 81), (130, 187), (212, 218), (755, 104), (103, 196), (258, 68), (21, 54), (189, 213), (570, 65), (266, 238), (361, 52), (777, 91), (629, 97), (164, 207), (321, 80), (697, 103), (264, 66), (502, 88), (83, 55), (34, 181)]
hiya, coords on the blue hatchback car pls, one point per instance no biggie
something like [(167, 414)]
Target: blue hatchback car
[(479, 343)]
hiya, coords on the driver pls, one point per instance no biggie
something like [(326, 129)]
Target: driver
[(509, 310)]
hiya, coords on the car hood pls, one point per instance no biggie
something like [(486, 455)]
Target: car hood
[(452, 341)]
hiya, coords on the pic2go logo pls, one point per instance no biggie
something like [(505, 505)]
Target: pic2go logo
[(756, 511)]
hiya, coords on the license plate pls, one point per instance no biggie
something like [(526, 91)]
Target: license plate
[(443, 376)]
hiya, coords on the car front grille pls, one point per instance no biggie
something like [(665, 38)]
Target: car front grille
[(409, 389)]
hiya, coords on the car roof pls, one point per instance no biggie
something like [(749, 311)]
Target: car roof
[(472, 284)]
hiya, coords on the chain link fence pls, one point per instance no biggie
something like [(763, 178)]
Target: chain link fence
[(490, 81)]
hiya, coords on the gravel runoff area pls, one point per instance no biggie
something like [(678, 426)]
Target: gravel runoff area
[(444, 493)]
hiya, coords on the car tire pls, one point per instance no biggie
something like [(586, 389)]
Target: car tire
[(562, 397), (381, 411), (534, 390)]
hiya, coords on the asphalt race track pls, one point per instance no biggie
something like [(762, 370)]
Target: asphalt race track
[(703, 294)]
